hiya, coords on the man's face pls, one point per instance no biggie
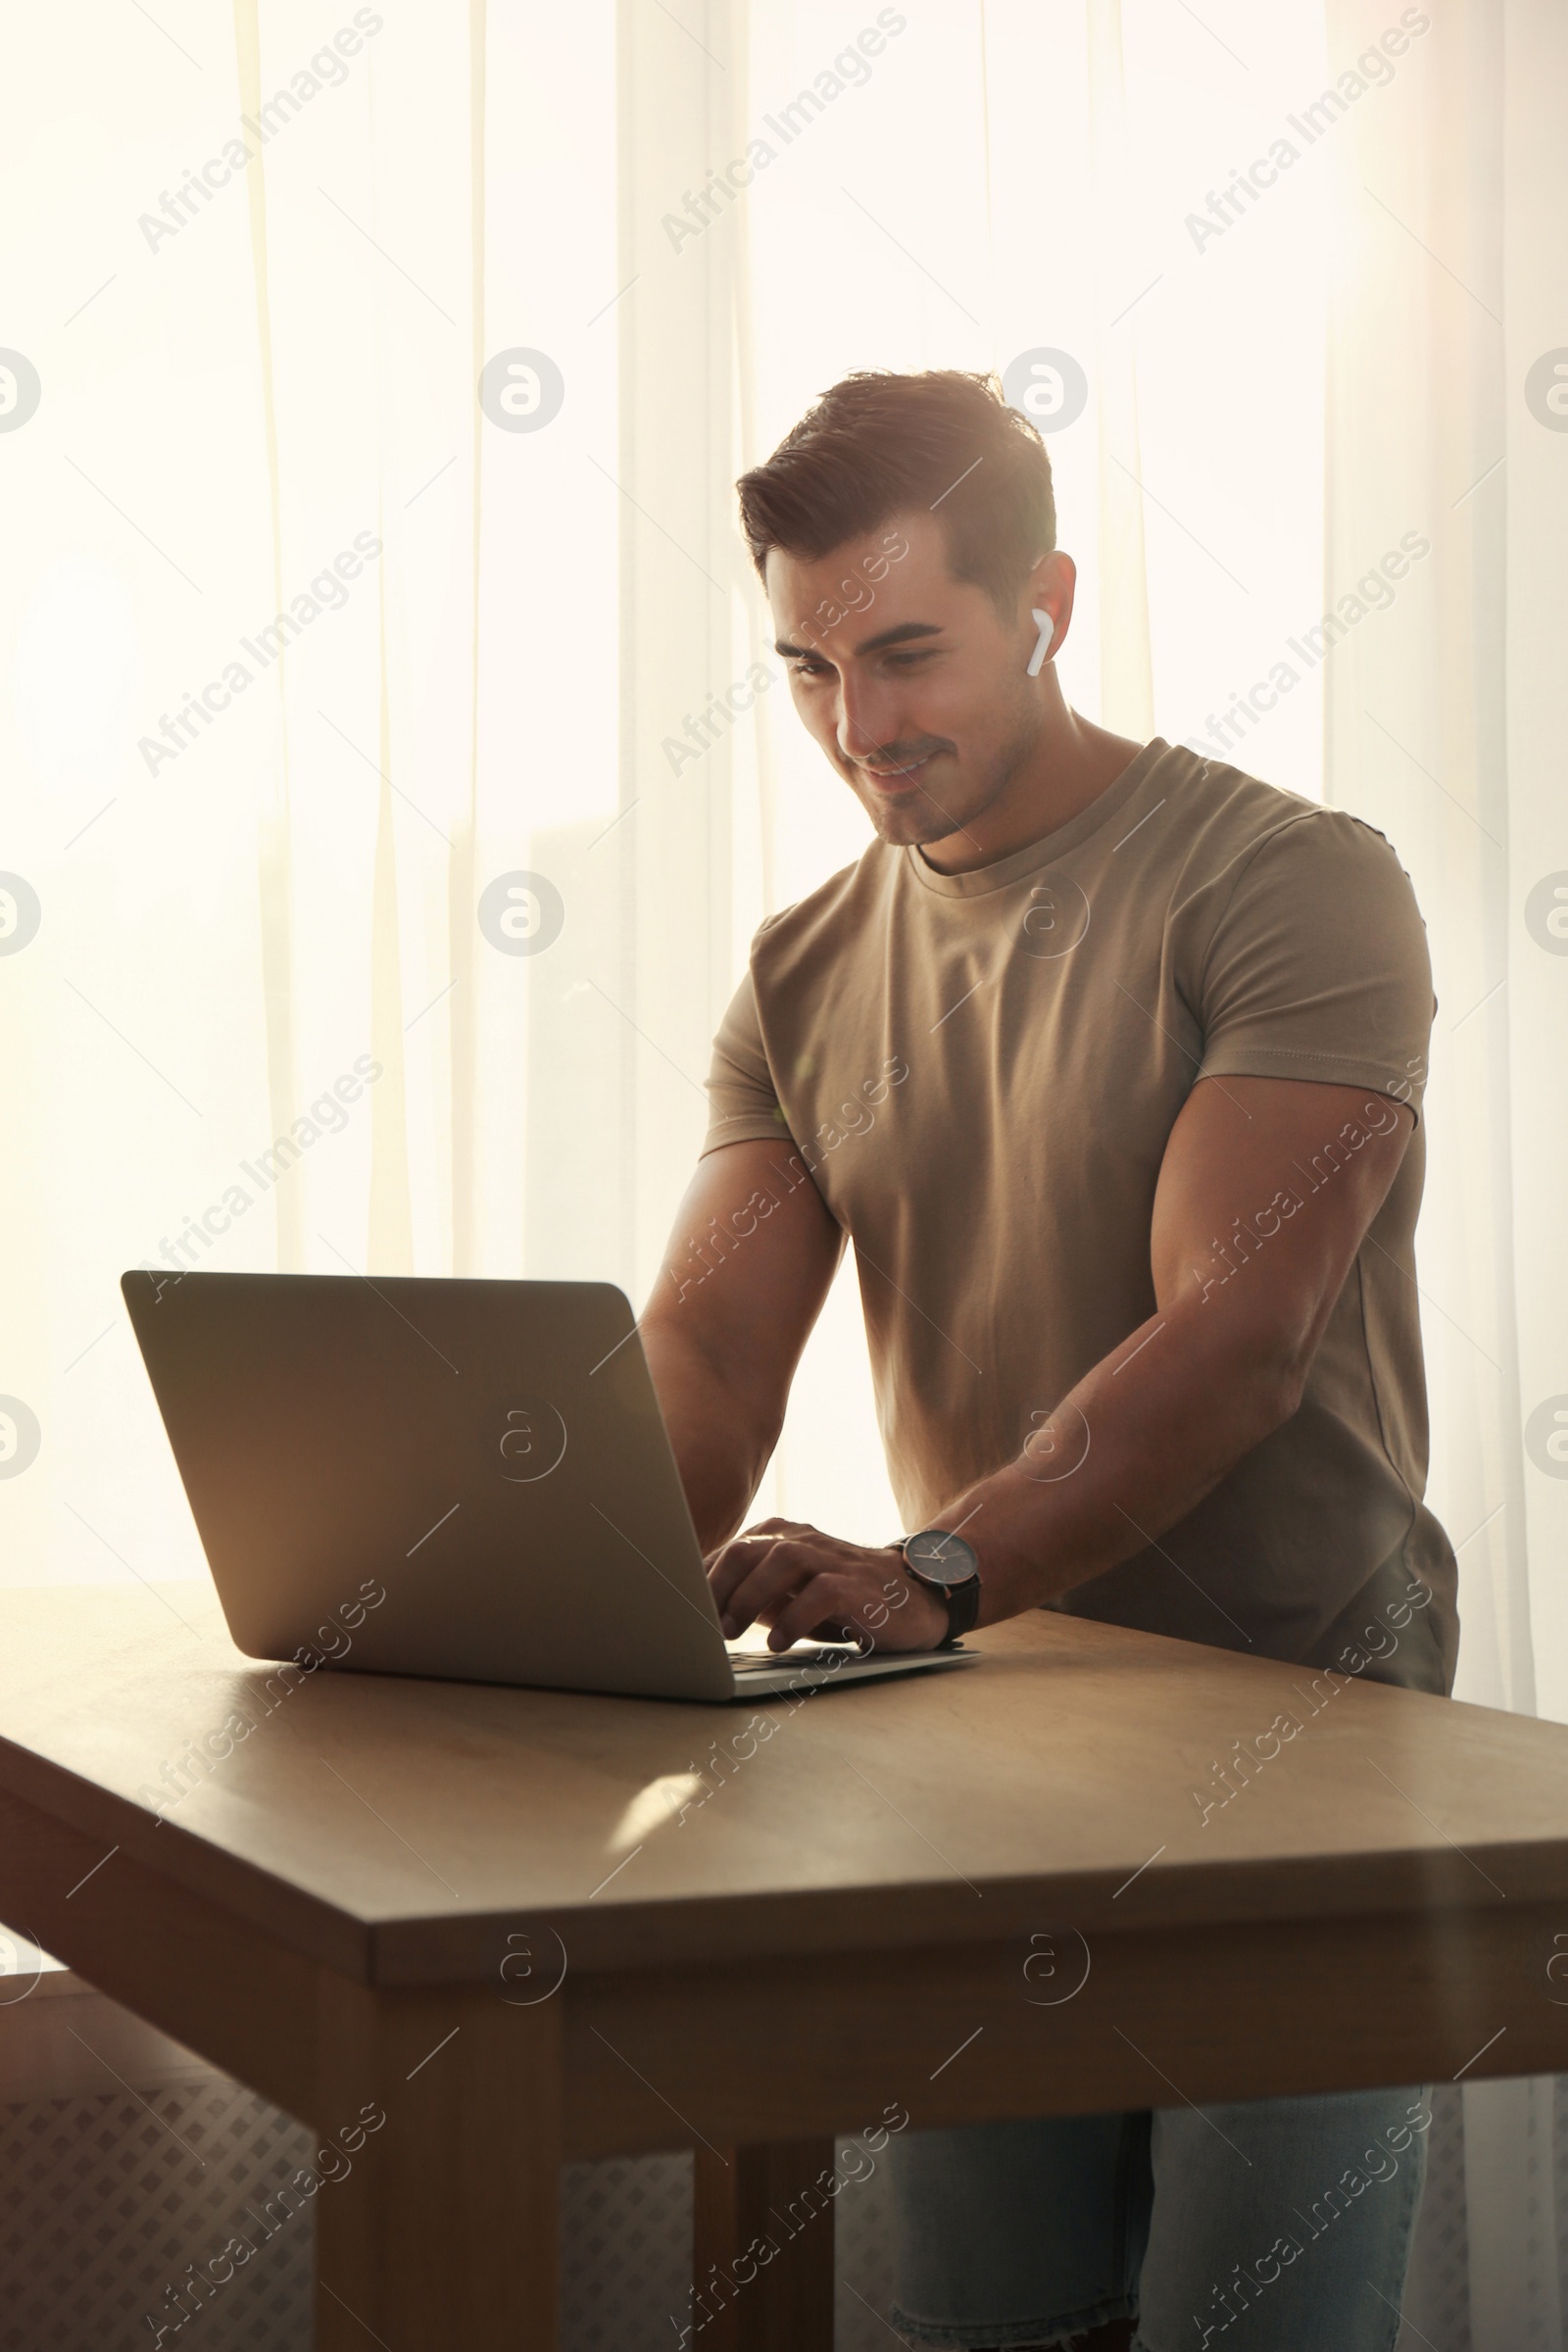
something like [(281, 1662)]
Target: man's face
[(911, 681)]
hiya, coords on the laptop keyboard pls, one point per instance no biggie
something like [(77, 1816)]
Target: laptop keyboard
[(763, 1661)]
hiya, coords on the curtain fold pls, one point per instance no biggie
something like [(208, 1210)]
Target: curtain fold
[(273, 843), (682, 127), (1126, 662)]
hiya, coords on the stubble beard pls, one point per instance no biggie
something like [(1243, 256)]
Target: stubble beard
[(927, 818)]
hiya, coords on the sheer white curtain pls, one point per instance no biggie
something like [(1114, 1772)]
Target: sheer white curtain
[(258, 780), (311, 653)]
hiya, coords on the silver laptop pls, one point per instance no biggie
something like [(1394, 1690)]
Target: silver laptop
[(453, 1478)]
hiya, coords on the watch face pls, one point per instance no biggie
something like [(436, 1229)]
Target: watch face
[(941, 1558)]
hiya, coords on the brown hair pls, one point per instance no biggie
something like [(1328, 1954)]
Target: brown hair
[(878, 445)]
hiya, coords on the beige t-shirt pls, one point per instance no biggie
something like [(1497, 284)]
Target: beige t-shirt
[(980, 1072)]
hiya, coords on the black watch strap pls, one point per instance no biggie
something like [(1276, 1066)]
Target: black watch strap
[(963, 1607)]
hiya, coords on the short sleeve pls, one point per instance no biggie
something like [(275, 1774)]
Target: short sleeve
[(1317, 966), (743, 1106)]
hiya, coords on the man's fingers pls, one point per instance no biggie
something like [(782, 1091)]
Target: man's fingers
[(818, 1612), (732, 1563), (762, 1582)]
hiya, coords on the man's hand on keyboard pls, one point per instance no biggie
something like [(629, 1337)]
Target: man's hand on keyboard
[(805, 1585)]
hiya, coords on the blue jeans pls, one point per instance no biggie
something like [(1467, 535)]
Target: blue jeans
[(1274, 2225)]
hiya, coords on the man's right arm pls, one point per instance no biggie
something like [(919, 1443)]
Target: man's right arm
[(749, 1263)]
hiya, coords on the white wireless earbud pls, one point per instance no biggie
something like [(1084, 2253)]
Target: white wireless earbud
[(1048, 629)]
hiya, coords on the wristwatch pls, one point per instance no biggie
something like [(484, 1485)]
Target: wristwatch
[(946, 1564)]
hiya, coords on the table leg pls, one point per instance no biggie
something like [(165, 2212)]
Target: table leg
[(438, 2230), (762, 2268)]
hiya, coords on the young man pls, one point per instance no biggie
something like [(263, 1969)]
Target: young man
[(1107, 1058)]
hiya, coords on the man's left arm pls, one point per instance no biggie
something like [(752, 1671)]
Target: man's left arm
[(1155, 1425)]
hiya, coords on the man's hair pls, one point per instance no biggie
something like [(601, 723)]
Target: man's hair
[(879, 445)]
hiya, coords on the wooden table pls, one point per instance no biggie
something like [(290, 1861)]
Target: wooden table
[(480, 1913)]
